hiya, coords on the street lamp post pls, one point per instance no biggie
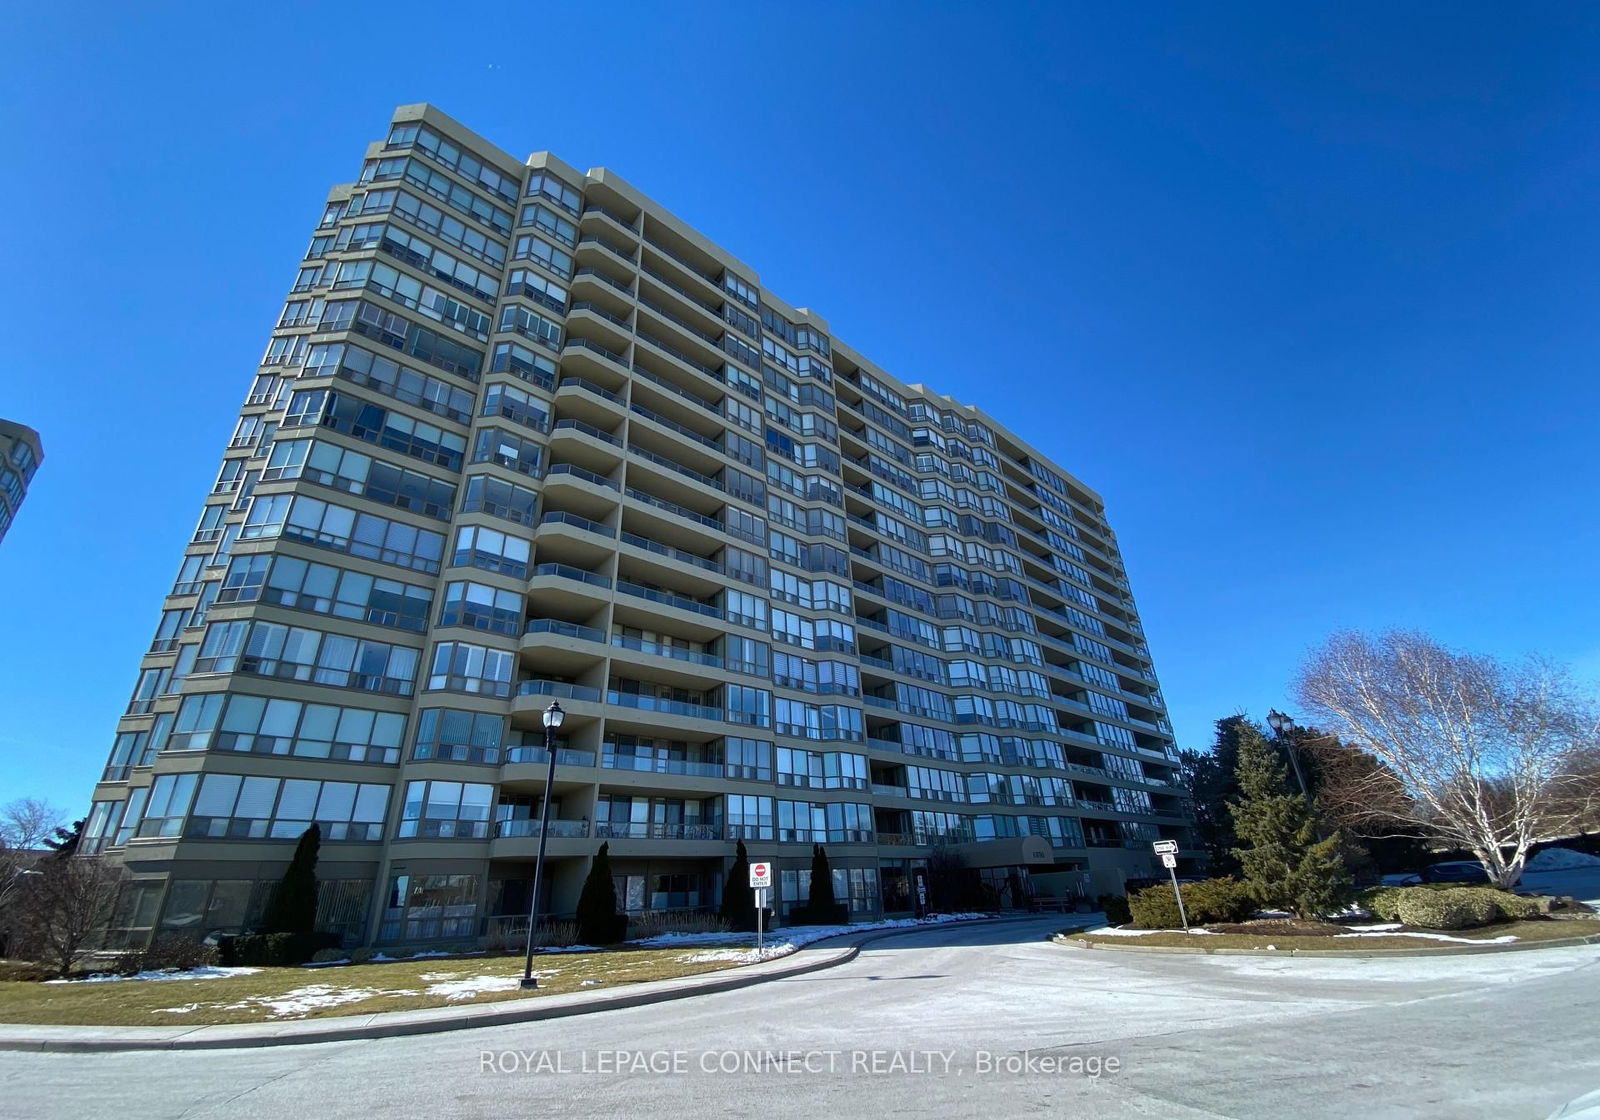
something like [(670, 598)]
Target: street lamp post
[(1282, 724), (553, 715)]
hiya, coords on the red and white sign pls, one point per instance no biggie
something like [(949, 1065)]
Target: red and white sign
[(761, 874)]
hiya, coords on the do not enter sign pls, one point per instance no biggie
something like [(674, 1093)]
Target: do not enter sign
[(761, 874)]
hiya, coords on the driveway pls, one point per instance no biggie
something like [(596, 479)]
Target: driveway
[(990, 1020)]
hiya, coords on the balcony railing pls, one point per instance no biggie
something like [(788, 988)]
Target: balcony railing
[(564, 757), (572, 830), (632, 830), (640, 764)]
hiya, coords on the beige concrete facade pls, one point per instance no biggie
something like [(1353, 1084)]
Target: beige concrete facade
[(21, 452), (780, 594)]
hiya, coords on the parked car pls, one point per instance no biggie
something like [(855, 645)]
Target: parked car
[(1407, 879), (1455, 871)]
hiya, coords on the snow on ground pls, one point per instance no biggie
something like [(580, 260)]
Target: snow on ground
[(1119, 931), (1503, 939), (453, 988), (312, 997), (204, 972), (1562, 859)]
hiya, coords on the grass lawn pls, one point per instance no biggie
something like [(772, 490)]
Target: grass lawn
[(280, 994), (1524, 931)]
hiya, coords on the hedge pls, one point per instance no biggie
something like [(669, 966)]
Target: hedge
[(1206, 902), (272, 950), (1116, 909), (1438, 906)]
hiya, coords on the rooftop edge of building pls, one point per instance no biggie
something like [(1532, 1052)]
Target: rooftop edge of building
[(427, 112)]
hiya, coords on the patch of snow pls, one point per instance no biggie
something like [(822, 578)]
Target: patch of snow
[(1380, 927), (1117, 931), (1562, 859), (589, 983), (571, 949), (184, 1010), (311, 998), (204, 972), (470, 986), (1501, 940)]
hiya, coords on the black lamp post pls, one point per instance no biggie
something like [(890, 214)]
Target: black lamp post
[(1282, 725), (553, 715)]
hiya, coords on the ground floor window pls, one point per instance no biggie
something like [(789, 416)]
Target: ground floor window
[(431, 907)]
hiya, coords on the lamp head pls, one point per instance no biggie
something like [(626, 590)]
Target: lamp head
[(553, 715)]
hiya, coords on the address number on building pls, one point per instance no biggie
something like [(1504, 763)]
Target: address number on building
[(761, 874), (1163, 847)]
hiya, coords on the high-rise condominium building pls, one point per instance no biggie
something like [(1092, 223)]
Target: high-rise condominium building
[(522, 436), (20, 456)]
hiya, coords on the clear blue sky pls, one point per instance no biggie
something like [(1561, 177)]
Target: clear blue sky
[(1308, 296)]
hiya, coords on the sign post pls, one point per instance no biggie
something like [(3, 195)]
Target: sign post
[(760, 882), (1168, 851)]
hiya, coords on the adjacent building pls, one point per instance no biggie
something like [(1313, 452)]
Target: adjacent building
[(21, 452), (522, 436)]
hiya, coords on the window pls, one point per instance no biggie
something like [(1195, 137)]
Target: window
[(262, 725), (429, 907), (231, 806), (502, 499), (463, 667), (446, 810), (482, 607), (749, 759), (298, 653), (448, 733), (747, 817), (340, 529), (291, 582), (492, 550)]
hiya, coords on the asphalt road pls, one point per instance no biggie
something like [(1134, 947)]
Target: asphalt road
[(990, 1020)]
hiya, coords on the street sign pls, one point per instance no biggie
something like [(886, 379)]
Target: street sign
[(1164, 846), (1169, 859), (761, 874)]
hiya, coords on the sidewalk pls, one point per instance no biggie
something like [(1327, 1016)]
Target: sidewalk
[(87, 1039)]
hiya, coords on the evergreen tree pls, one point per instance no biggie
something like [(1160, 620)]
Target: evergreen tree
[(822, 899), (738, 900), (1283, 863), (294, 904), (598, 920), (65, 841), (1213, 785)]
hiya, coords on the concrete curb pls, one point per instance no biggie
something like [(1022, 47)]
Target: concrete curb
[(92, 1039), (1441, 951)]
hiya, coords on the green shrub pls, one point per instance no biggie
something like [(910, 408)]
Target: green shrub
[(1458, 908), (1154, 908), (1515, 907), (1116, 909), (1382, 902), (1218, 900), (362, 955), (273, 950), (329, 956), (1213, 900), (167, 951)]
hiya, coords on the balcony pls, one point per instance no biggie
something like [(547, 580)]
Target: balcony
[(636, 764), (634, 830), (571, 830)]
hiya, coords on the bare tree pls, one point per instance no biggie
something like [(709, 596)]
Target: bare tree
[(1479, 754), (63, 903), (27, 822)]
